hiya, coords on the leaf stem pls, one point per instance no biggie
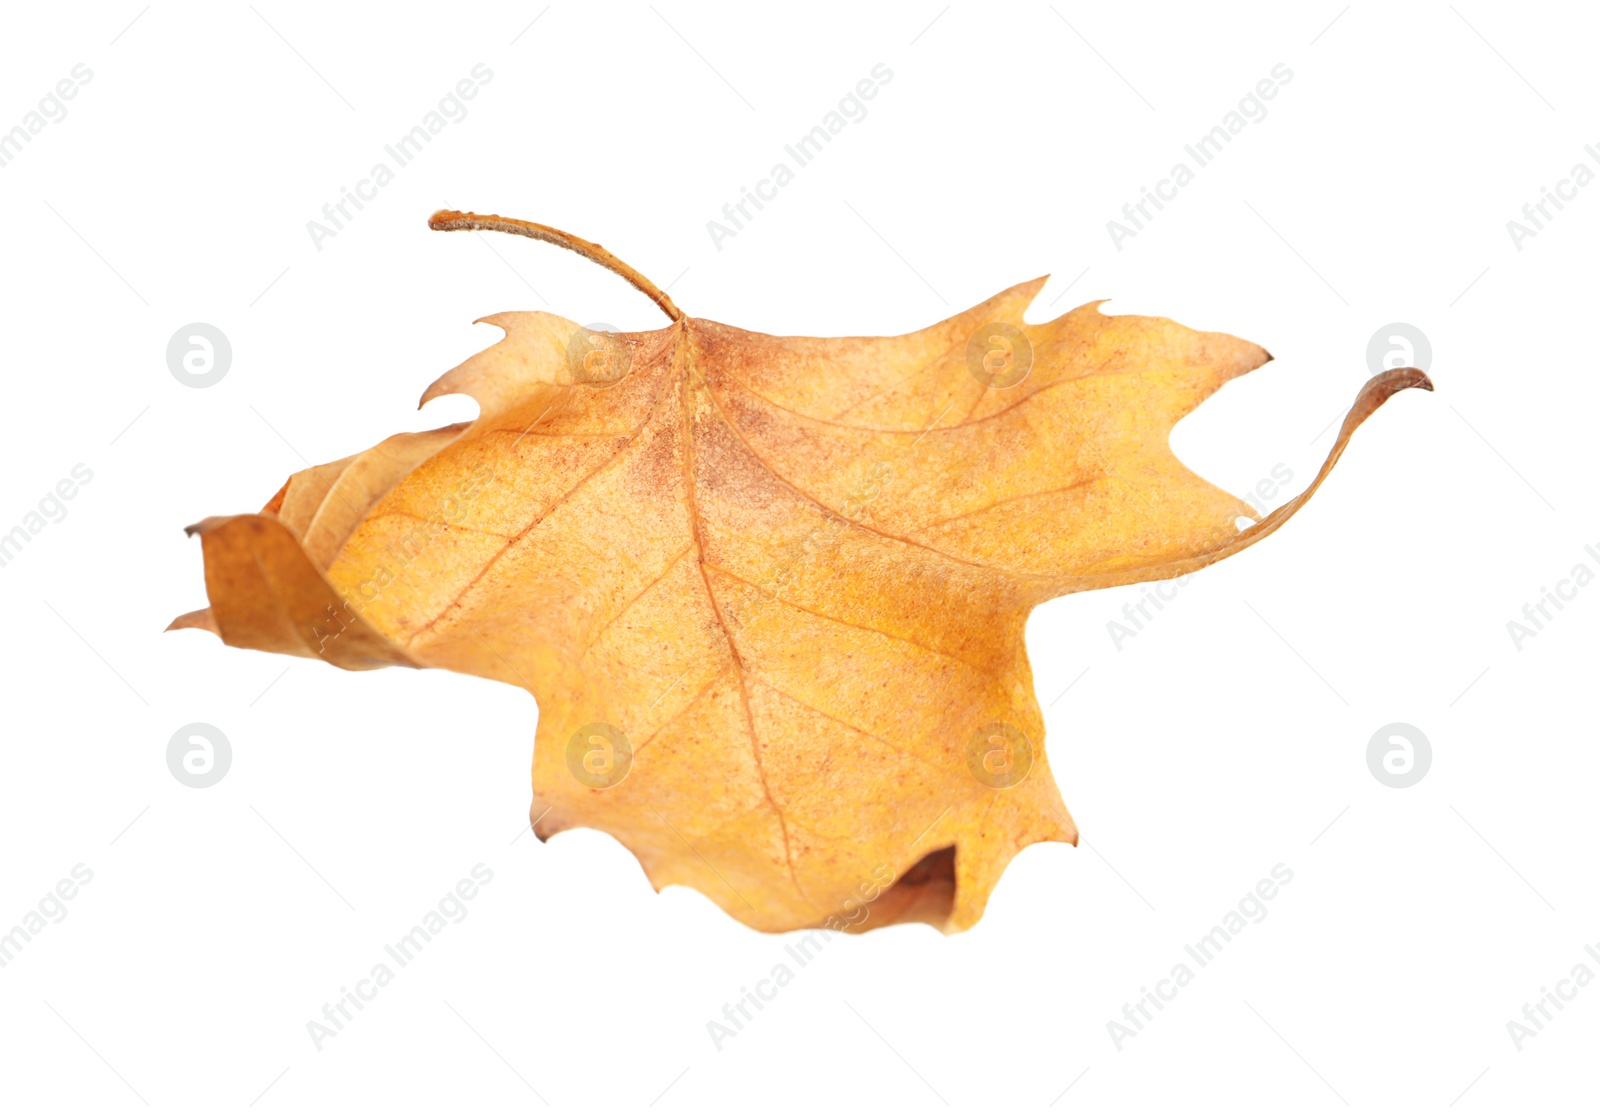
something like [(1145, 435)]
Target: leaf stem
[(449, 220)]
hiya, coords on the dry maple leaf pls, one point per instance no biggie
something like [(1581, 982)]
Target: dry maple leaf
[(769, 592)]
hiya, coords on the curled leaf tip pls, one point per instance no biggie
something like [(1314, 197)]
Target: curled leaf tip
[(194, 620)]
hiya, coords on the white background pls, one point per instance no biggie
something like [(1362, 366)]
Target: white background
[(1194, 757)]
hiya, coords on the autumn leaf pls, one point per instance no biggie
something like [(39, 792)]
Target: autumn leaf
[(768, 592)]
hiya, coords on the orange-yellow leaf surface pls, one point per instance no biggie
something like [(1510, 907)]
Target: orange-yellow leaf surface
[(768, 592)]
